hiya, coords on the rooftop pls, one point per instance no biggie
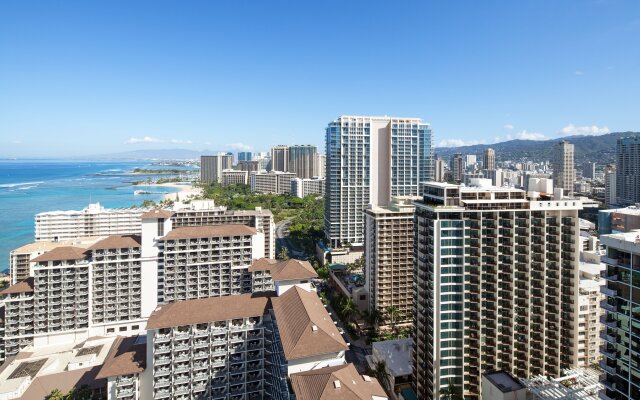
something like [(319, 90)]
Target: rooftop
[(306, 328), (49, 367), (48, 245), (342, 382), (284, 270), (192, 232), (157, 213), (396, 354), (117, 242), (504, 381), (575, 384), (62, 253), (24, 286), (198, 311), (630, 240), (127, 356)]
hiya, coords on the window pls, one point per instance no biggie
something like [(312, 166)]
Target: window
[(110, 330), (123, 329), (135, 327)]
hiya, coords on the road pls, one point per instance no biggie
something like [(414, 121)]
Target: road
[(282, 240)]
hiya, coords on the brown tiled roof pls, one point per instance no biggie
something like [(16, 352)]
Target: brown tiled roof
[(210, 309), (117, 242), (25, 286), (284, 270), (157, 213), (192, 232), (41, 386), (321, 384), (127, 356), (305, 327), (62, 253)]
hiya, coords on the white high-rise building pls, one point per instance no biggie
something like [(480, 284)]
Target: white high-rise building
[(321, 165), (564, 171), (610, 197), (94, 220), (370, 159), (304, 187)]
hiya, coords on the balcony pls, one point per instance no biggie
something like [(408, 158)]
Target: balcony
[(603, 364)]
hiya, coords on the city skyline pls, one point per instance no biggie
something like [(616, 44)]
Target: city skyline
[(217, 77)]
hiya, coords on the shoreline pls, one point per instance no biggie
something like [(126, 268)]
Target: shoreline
[(184, 192)]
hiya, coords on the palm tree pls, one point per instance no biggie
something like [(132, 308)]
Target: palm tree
[(451, 392), (55, 394), (374, 318), (392, 314), (380, 373), (283, 254), (349, 309)]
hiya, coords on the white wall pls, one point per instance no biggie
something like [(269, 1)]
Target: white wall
[(309, 363)]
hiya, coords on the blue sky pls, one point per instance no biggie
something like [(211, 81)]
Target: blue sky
[(80, 78)]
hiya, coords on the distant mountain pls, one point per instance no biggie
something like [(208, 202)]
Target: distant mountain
[(600, 149), (160, 154)]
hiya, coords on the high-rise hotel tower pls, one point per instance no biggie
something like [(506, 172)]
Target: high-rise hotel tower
[(496, 286), (370, 159)]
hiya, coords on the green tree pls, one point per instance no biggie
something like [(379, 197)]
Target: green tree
[(349, 309), (283, 254), (55, 394), (374, 318), (451, 392), (392, 315), (380, 373)]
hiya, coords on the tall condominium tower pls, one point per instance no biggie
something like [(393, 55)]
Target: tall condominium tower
[(496, 283), (610, 196), (388, 258), (628, 170), (589, 170), (564, 172), (245, 156), (280, 158), (321, 161), (456, 165), (302, 160), (370, 159), (621, 352), (439, 170), (489, 159), (211, 167)]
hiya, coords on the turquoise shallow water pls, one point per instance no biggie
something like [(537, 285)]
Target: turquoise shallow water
[(28, 187)]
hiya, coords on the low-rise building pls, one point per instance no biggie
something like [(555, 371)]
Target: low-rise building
[(396, 356), (500, 385), (336, 383), (276, 182), (234, 177), (305, 187), (123, 368)]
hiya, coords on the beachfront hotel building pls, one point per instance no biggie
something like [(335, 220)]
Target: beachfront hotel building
[(368, 160), (621, 353), (234, 177), (496, 286), (388, 255), (211, 167), (276, 182), (93, 220), (207, 261), (305, 187)]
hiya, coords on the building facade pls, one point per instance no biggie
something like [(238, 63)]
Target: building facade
[(589, 170), (590, 314), (302, 161), (456, 167), (211, 167), (497, 279), (489, 159), (271, 182), (245, 156), (439, 170), (564, 172), (622, 321), (628, 170), (370, 159), (610, 195), (234, 177), (388, 256), (280, 158), (93, 220), (304, 187)]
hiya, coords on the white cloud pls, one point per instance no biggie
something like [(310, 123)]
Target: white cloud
[(239, 146), (578, 72), (571, 129), (181, 141), (457, 143), (524, 135), (16, 141), (207, 143), (145, 139), (508, 126)]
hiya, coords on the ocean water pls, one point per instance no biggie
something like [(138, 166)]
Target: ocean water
[(28, 187)]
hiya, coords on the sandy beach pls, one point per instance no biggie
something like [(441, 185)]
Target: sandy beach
[(185, 191)]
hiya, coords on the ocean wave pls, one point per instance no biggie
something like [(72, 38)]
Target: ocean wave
[(26, 187), (11, 185)]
